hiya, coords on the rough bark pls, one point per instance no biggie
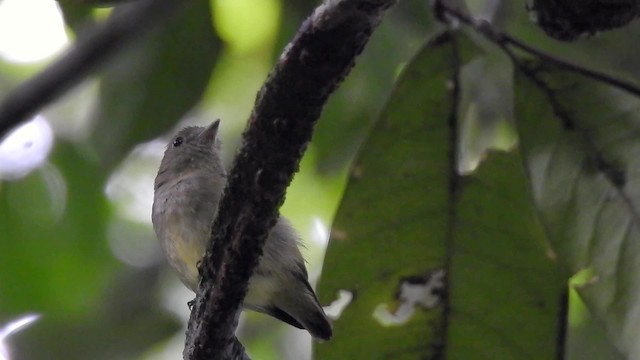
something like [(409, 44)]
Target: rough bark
[(279, 129)]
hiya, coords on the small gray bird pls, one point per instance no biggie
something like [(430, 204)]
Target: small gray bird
[(188, 188)]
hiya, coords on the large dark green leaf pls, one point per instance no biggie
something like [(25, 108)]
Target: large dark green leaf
[(580, 140), (471, 245), (147, 89), (353, 108), (507, 296)]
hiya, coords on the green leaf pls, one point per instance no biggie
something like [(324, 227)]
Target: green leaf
[(407, 218), (507, 295), (579, 138), (381, 233), (353, 108), (147, 89)]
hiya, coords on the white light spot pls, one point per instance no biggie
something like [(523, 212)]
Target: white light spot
[(320, 233), (11, 328), (336, 308), (423, 292), (130, 189), (14, 326), (31, 30), (131, 185), (25, 148), (133, 244)]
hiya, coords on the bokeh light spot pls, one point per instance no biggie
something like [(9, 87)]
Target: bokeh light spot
[(246, 25), (31, 30), (25, 149), (11, 328)]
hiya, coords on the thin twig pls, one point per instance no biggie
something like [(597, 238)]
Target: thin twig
[(84, 57), (279, 129), (504, 41)]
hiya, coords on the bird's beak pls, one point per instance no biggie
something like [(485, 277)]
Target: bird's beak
[(209, 134)]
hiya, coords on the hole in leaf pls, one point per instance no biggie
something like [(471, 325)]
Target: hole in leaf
[(335, 309), (425, 291)]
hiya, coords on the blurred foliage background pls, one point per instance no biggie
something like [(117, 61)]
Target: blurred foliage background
[(76, 243)]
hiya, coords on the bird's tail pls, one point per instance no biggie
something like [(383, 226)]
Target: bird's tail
[(302, 309)]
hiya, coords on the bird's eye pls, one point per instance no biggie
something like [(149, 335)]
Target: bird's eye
[(178, 141)]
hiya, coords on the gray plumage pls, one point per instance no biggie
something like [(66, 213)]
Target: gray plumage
[(187, 193)]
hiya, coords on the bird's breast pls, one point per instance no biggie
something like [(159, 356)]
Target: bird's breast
[(182, 215)]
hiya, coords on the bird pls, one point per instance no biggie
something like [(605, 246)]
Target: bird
[(187, 192)]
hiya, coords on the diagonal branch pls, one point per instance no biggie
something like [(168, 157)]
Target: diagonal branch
[(506, 42), (84, 57), (279, 129)]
